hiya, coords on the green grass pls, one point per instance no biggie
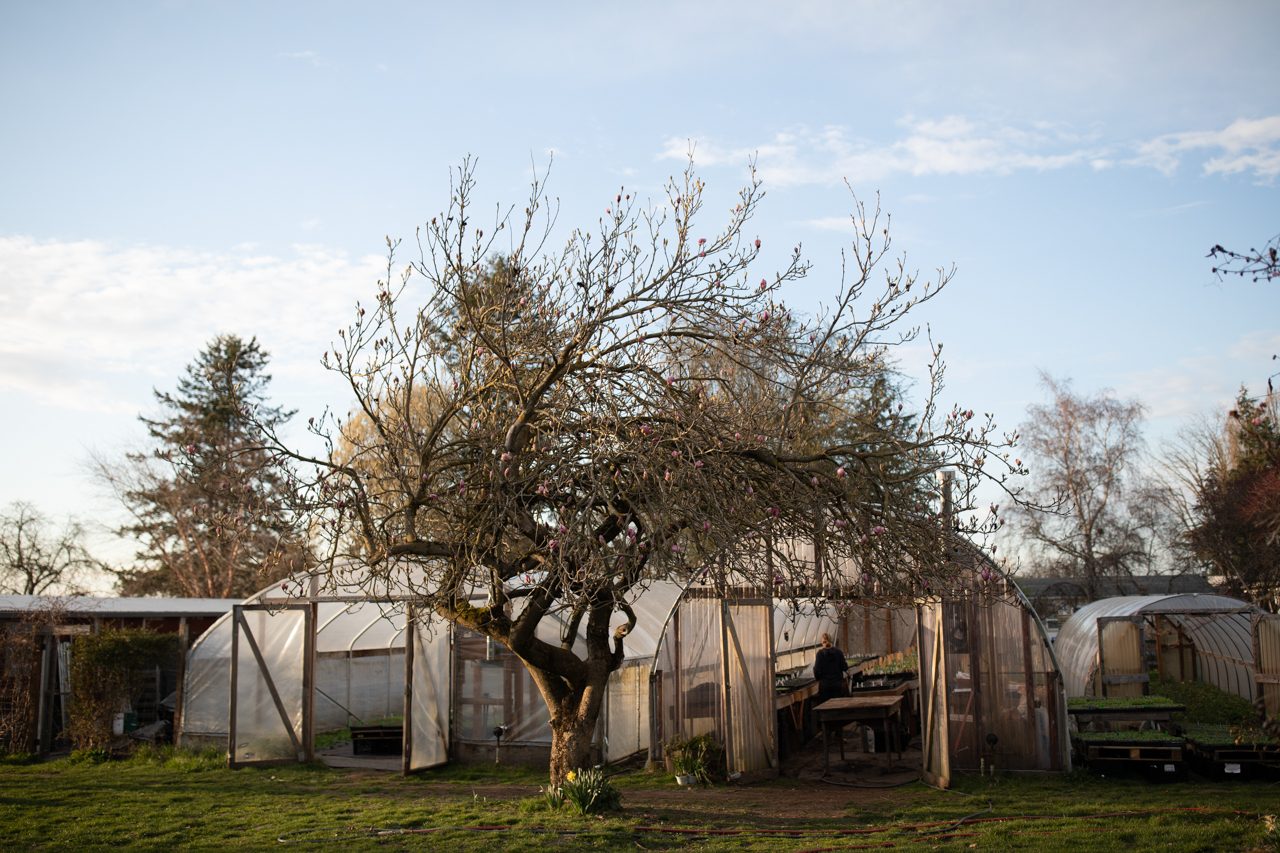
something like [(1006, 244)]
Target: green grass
[(164, 799)]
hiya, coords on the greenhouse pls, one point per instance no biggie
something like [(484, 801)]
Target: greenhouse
[(1110, 647), (697, 662)]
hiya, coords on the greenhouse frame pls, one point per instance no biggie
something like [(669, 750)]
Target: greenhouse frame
[(1104, 646), (701, 659)]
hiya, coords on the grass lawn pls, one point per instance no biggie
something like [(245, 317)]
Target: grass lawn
[(163, 800)]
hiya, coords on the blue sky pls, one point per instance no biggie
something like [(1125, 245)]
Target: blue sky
[(169, 171)]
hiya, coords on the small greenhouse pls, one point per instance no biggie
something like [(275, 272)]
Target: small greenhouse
[(1109, 647)]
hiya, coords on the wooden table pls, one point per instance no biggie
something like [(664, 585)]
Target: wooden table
[(866, 710)]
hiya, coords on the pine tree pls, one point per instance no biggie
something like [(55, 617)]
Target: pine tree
[(208, 506)]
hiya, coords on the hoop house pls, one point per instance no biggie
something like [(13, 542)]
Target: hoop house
[(1108, 647), (313, 664)]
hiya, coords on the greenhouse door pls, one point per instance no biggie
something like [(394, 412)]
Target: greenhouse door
[(272, 684), (426, 691), (747, 656), (1266, 660), (1122, 656)]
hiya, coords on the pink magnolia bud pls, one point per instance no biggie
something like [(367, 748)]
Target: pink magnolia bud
[(877, 530), (701, 240), (757, 242), (697, 464), (191, 448), (706, 526), (813, 480), (986, 574), (840, 472), (675, 549)]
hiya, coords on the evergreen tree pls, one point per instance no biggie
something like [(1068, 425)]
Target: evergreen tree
[(208, 506)]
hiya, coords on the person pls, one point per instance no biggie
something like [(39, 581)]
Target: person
[(829, 668)]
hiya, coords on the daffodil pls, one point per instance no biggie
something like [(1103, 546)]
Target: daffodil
[(571, 776)]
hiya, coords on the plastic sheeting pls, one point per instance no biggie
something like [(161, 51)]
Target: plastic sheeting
[(713, 674), (269, 655), (1222, 641), (360, 675), (986, 670)]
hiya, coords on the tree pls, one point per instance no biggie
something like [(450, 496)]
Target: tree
[(1231, 525), (1264, 264), (1085, 514), (558, 430), (36, 558), (207, 504)]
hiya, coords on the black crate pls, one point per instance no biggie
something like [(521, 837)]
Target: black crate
[(377, 740)]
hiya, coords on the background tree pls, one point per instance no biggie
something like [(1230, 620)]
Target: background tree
[(556, 431), (207, 503), (38, 558), (1231, 522), (1087, 513)]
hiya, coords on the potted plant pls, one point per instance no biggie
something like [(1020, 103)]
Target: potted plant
[(691, 759)]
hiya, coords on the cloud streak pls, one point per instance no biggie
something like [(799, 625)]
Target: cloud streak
[(79, 320), (956, 145), (1243, 146)]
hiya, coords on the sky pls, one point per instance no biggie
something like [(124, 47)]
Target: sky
[(170, 171)]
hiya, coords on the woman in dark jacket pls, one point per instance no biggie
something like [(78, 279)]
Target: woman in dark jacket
[(829, 668)]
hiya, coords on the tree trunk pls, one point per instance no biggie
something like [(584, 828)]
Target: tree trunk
[(571, 737)]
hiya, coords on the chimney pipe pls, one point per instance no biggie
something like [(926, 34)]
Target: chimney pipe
[(946, 477)]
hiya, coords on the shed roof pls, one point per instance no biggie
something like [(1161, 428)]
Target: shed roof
[(115, 608), (1219, 627)]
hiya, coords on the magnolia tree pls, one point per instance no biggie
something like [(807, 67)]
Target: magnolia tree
[(555, 428)]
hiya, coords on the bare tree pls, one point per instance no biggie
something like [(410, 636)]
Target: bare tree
[(1086, 514), (552, 431), (37, 557)]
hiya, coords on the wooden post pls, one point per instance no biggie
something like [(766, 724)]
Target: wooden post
[(1030, 679), (724, 669), (410, 634), (184, 640), (235, 687), (311, 617)]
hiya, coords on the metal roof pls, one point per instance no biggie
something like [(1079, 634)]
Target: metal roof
[(116, 608), (1219, 627)]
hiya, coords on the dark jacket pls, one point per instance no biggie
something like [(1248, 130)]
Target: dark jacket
[(829, 667)]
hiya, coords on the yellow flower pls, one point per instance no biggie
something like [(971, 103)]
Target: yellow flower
[(571, 776)]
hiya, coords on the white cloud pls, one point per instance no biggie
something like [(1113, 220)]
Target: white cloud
[(1243, 146), (304, 55), (953, 145), (80, 321), (956, 145)]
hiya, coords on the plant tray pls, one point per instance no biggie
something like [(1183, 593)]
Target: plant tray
[(1131, 750), (377, 740)]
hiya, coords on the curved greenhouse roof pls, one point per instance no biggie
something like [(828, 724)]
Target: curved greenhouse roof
[(1217, 625)]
